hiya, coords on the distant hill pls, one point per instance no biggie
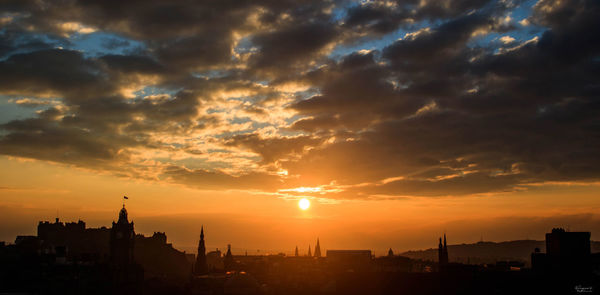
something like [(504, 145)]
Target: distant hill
[(488, 252)]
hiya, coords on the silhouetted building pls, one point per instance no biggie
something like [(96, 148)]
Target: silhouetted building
[(318, 249), (126, 273), (228, 260), (309, 253), (443, 252), (214, 260), (82, 244), (122, 241), (392, 263), (241, 283), (565, 252), (28, 245), (201, 267), (296, 252), (390, 253), (349, 260)]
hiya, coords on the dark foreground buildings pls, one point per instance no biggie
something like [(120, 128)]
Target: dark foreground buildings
[(69, 258)]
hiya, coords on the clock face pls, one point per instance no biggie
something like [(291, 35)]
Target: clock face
[(119, 235)]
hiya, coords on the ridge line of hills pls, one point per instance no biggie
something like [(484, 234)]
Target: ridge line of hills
[(488, 252)]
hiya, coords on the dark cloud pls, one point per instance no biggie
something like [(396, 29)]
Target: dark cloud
[(273, 149), (287, 47), (209, 180), (380, 17), (436, 112), (46, 140), (55, 71)]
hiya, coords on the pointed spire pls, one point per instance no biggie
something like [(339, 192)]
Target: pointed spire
[(228, 260), (318, 249), (309, 254), (201, 266), (390, 253), (443, 252), (444, 240), (296, 252)]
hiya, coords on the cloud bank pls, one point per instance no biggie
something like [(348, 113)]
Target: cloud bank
[(369, 99)]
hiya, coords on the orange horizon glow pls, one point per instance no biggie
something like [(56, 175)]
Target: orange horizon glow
[(366, 124), (402, 224)]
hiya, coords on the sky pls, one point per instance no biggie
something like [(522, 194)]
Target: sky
[(398, 120)]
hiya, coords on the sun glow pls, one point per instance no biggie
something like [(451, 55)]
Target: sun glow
[(304, 203)]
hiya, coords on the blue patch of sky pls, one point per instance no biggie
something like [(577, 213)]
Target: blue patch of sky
[(218, 151), (377, 43), (340, 12), (103, 43), (245, 45), (26, 42), (153, 90), (211, 74), (520, 33), (306, 94), (91, 45), (10, 111), (240, 120)]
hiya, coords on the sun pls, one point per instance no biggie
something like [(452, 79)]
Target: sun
[(304, 204)]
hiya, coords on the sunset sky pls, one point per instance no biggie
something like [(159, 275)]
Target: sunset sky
[(397, 120)]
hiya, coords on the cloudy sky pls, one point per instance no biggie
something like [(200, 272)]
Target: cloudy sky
[(399, 120)]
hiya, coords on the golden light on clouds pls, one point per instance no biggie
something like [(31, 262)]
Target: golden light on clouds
[(270, 105)]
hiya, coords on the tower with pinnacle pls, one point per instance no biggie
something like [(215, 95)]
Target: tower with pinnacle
[(309, 253), (228, 260), (127, 275), (201, 268), (122, 239), (318, 249), (443, 252), (296, 252)]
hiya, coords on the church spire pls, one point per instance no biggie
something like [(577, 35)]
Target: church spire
[(318, 249), (309, 254), (201, 267), (445, 240), (296, 252), (443, 252), (228, 260)]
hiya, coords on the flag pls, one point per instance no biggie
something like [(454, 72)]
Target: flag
[(125, 197)]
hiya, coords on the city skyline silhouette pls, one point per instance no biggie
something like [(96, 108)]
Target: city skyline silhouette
[(416, 141)]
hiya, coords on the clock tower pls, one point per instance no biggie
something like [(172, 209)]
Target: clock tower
[(122, 238)]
